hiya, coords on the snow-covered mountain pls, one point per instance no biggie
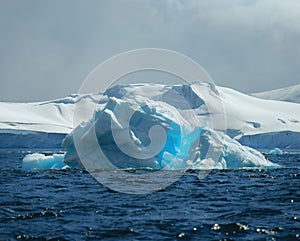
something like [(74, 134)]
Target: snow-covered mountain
[(37, 124), (54, 116), (262, 124), (290, 94)]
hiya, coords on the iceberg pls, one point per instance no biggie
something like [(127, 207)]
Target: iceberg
[(157, 130)]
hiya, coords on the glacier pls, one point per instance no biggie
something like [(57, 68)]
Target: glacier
[(178, 142), (26, 139)]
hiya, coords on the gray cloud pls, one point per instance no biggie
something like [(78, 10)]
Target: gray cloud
[(47, 48)]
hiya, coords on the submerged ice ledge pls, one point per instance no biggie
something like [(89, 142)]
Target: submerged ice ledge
[(159, 105)]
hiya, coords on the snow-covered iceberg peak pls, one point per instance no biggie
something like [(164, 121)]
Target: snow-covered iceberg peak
[(134, 133)]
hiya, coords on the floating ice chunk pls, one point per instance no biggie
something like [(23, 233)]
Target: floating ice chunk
[(40, 161), (276, 151)]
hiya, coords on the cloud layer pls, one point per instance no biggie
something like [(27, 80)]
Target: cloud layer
[(47, 48)]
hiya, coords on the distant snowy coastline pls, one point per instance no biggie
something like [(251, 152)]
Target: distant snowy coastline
[(255, 122)]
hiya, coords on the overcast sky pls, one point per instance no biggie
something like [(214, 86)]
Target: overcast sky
[(47, 48)]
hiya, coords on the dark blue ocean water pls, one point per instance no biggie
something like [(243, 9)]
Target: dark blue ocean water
[(226, 205)]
